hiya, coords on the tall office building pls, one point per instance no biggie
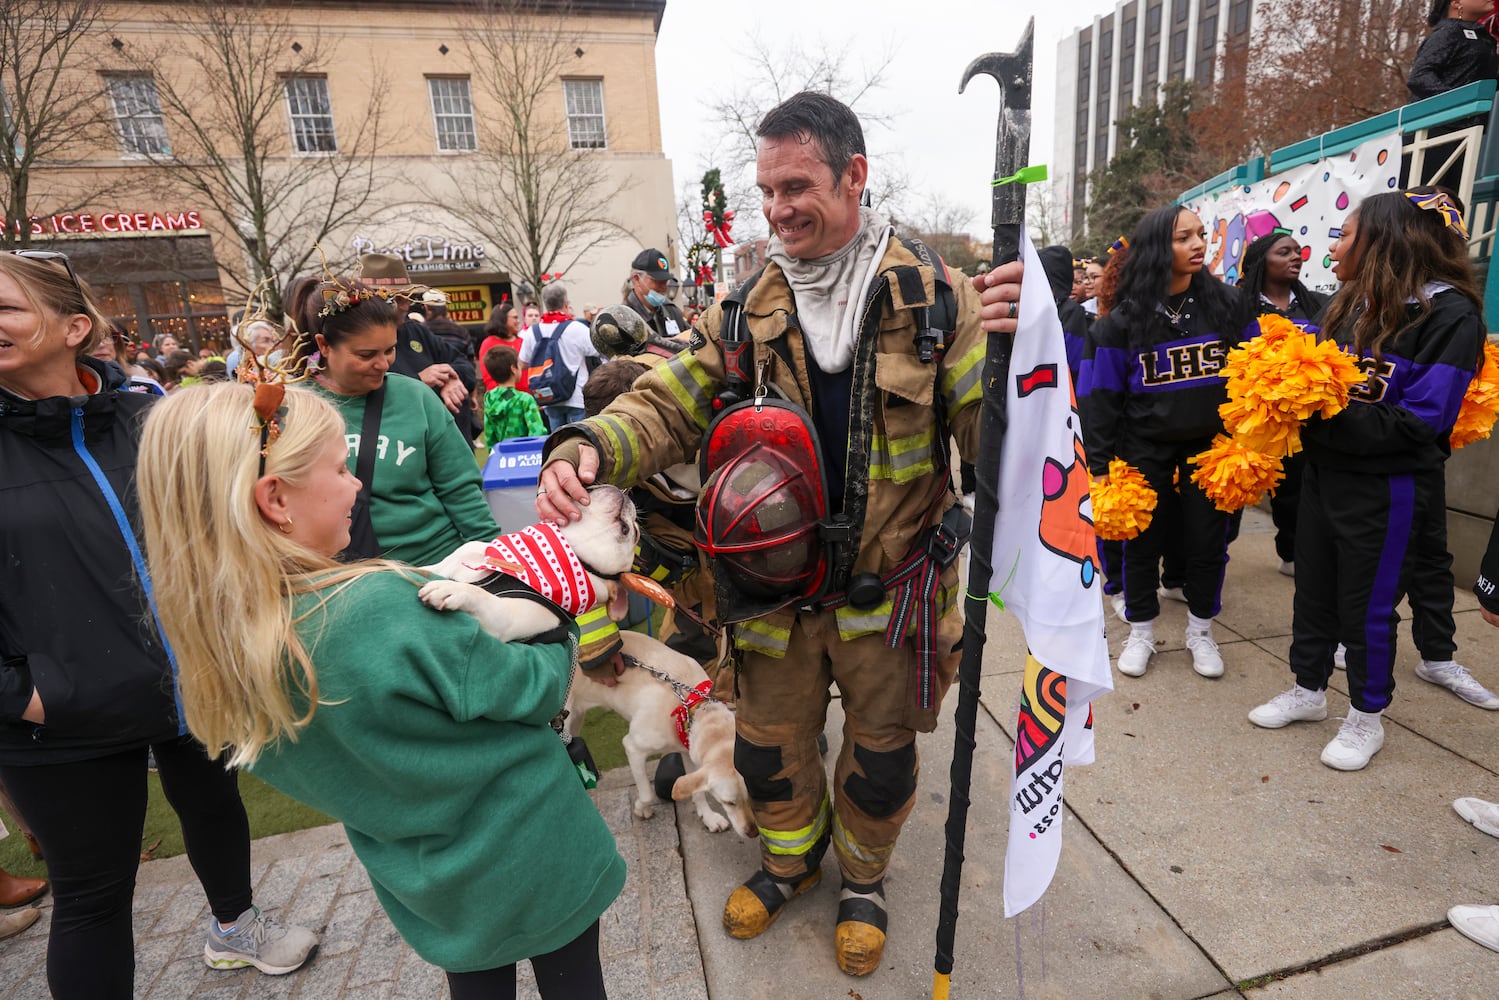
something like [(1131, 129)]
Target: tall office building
[(1121, 59)]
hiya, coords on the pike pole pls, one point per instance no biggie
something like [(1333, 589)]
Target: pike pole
[(1013, 72)]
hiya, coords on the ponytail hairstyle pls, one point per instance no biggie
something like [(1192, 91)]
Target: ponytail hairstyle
[(337, 309), (215, 559), (1252, 270), (1106, 287), (1400, 248), (1145, 282)]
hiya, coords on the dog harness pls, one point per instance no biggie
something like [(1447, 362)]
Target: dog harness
[(689, 698), (542, 559)]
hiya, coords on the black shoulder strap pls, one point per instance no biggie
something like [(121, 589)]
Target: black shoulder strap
[(935, 324), (734, 339), (363, 542)]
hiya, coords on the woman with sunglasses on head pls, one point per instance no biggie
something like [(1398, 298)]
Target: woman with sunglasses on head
[(427, 738), (1410, 311), (81, 707), (1270, 277), (1149, 393)]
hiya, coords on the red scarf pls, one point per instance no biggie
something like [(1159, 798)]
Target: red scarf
[(555, 317)]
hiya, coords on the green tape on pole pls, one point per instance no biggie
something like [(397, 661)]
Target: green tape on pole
[(1025, 175)]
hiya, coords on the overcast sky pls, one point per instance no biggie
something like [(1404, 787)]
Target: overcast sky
[(946, 140)]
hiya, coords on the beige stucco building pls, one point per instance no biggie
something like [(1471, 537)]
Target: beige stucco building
[(170, 255)]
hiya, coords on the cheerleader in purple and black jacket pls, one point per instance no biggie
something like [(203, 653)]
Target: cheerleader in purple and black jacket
[(1410, 310)]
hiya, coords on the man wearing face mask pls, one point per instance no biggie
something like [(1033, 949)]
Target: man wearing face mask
[(648, 277)]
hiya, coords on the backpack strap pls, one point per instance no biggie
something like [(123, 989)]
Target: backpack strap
[(935, 324), (737, 346)]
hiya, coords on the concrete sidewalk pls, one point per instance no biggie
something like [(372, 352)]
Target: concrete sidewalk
[(1203, 858)]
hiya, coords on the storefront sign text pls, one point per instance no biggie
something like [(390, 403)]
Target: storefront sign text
[(468, 303), (75, 223), (427, 253)]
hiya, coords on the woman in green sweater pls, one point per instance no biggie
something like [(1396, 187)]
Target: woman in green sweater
[(424, 736), (425, 496)]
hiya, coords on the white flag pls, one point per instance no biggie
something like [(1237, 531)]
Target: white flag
[(1046, 572)]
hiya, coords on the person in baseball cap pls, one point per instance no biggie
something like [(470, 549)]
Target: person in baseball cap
[(649, 273)]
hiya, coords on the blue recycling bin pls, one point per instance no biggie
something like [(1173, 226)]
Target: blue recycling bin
[(510, 477)]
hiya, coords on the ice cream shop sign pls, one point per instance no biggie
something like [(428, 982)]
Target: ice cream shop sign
[(428, 253)]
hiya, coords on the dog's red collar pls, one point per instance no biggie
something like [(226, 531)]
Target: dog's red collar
[(682, 714)]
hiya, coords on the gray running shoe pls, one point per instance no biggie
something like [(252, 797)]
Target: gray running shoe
[(259, 940)]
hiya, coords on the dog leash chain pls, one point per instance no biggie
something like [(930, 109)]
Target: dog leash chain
[(682, 691)]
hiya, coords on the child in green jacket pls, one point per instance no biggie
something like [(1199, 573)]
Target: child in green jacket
[(508, 412)]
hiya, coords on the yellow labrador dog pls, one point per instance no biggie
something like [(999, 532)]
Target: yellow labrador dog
[(579, 566)]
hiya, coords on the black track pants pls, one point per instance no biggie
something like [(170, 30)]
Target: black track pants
[(1284, 504), (88, 817), (1200, 528), (572, 972), (1354, 538), (1431, 588)]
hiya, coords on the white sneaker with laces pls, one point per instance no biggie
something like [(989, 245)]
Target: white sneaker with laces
[(1340, 657), (1484, 815), (1172, 594), (1295, 705), (1358, 740), (1455, 678), (1117, 600), (261, 940), (1136, 654), (1206, 659), (1477, 923)]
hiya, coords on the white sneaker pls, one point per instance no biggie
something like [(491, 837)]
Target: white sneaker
[(1288, 569), (1136, 654), (1295, 705), (1477, 923), (1117, 600), (1455, 678), (1340, 657), (1205, 657), (1358, 740), (1172, 594), (1484, 815)]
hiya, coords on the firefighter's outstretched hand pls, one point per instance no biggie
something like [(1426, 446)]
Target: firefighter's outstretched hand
[(999, 296), (563, 490)]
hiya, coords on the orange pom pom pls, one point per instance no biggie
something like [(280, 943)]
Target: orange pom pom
[(1282, 377), (1481, 402), (1233, 476), (1122, 504)]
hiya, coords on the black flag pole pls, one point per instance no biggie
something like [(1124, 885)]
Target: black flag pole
[(1013, 71)]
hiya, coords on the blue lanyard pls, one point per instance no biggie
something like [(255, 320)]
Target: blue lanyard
[(123, 523)]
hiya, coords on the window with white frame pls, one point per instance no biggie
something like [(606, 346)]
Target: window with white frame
[(311, 114), (137, 115), (452, 113), (585, 114)]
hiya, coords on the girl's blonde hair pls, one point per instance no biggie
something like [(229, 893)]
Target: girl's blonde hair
[(48, 287), (224, 577)]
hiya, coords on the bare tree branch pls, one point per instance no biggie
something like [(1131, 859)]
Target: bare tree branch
[(55, 106), (541, 204), (223, 92)]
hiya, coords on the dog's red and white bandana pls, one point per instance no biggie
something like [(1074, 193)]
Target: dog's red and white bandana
[(682, 714), (542, 559)]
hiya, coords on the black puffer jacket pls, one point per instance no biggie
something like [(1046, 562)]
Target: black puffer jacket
[(74, 620)]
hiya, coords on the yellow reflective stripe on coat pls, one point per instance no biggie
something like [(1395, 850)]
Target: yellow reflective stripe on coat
[(797, 842), (902, 459), (853, 623), (684, 377), (962, 383), (622, 443), (762, 637), (595, 625), (849, 846)]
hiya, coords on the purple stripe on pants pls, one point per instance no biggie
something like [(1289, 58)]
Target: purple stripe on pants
[(1380, 657)]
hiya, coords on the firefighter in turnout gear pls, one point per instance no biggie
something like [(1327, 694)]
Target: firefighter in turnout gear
[(881, 349)]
